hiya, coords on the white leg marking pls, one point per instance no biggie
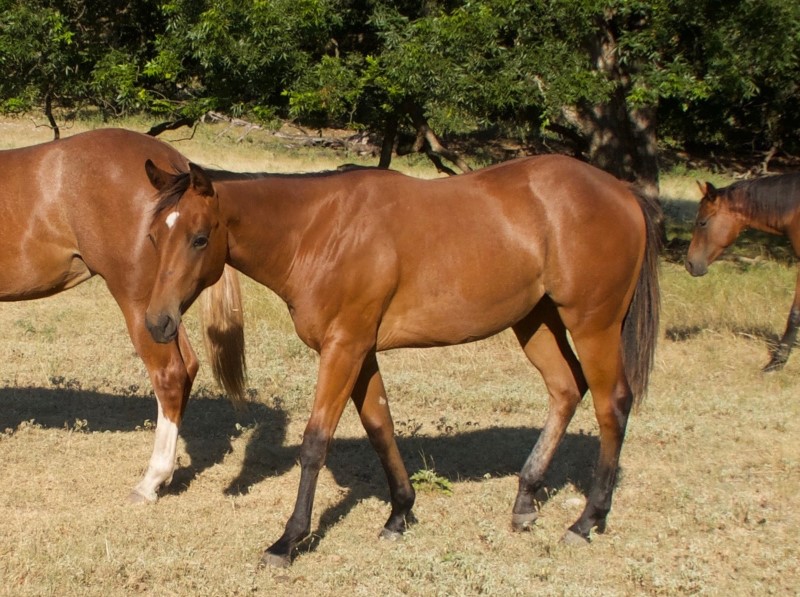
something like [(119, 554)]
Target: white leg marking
[(162, 462), (172, 218)]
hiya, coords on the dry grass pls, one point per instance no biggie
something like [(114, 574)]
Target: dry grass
[(707, 503)]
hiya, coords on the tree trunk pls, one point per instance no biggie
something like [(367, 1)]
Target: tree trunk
[(622, 138), (48, 111), (389, 137)]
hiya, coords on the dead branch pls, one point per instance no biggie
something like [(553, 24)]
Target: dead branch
[(170, 126), (765, 163), (428, 140)]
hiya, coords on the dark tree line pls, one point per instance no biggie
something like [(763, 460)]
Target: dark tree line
[(607, 80)]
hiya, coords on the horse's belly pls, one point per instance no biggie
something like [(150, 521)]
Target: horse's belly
[(447, 319), (42, 272)]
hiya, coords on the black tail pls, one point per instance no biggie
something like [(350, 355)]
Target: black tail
[(640, 329)]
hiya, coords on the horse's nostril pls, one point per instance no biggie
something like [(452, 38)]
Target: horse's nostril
[(163, 329), (169, 327), (695, 269)]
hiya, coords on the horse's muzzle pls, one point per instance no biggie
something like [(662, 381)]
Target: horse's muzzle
[(696, 269), (163, 328)]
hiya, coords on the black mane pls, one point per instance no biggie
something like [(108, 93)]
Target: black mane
[(169, 196), (769, 199)]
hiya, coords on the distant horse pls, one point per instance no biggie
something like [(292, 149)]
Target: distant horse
[(82, 206), (770, 204), (371, 260)]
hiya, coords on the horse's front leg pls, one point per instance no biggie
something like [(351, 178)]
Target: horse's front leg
[(339, 366), (172, 368), (781, 353)]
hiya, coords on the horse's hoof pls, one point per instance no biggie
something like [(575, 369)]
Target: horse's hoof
[(773, 366), (272, 560), (390, 535), (523, 522), (137, 498), (573, 538)]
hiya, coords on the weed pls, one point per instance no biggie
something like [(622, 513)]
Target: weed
[(428, 480)]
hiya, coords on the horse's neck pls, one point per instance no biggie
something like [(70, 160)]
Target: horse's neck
[(265, 219), (756, 215)]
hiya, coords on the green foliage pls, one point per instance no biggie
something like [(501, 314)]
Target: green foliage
[(710, 75), (37, 53)]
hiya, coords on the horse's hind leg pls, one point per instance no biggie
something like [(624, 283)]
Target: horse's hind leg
[(601, 358), (369, 396), (544, 340), (781, 353)]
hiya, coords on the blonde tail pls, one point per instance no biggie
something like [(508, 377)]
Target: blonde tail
[(223, 333)]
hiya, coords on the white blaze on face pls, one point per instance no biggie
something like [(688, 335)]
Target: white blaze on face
[(172, 218)]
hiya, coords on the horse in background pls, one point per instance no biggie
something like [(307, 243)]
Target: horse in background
[(370, 260), (82, 206), (770, 204)]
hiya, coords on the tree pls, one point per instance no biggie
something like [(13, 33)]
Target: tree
[(601, 75), (237, 57), (69, 52), (37, 56), (610, 80)]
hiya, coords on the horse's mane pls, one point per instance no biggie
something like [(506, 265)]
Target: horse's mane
[(169, 196), (767, 199)]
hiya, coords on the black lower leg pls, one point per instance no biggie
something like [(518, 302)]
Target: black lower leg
[(781, 353), (298, 527)]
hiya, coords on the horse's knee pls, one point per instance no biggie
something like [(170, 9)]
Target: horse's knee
[(171, 384), (564, 401), (314, 449)]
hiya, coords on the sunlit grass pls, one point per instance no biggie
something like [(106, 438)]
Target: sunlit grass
[(706, 502)]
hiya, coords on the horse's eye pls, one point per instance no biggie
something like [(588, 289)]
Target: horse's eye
[(702, 223), (200, 242)]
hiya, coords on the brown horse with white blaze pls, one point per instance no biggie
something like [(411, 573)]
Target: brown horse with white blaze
[(82, 206), (770, 204), (370, 260)]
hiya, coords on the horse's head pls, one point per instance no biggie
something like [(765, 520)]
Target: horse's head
[(190, 239), (715, 229)]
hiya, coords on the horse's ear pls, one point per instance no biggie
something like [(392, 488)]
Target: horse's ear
[(708, 190), (158, 177), (200, 180)]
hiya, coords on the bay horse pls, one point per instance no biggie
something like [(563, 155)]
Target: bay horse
[(81, 206), (770, 204), (369, 260)]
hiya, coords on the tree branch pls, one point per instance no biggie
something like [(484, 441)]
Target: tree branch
[(170, 126), (48, 111), (434, 144)]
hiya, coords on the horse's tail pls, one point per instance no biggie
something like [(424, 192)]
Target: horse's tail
[(223, 333), (640, 329)]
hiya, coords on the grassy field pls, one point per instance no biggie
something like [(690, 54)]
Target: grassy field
[(707, 502)]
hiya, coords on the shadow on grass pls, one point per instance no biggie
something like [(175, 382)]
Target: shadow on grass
[(769, 337), (211, 424)]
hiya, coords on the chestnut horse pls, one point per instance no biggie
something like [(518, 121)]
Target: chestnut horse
[(369, 260), (770, 204), (81, 206)]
